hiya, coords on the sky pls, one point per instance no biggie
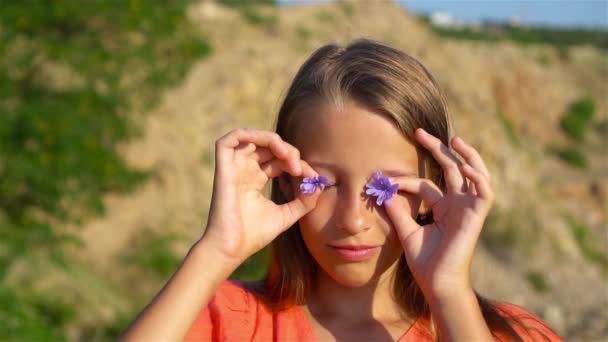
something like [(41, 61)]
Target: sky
[(562, 13)]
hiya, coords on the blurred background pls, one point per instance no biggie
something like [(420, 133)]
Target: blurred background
[(109, 111)]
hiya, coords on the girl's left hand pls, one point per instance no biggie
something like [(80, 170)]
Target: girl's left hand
[(439, 254)]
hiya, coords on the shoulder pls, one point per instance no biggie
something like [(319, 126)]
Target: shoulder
[(234, 295), (527, 324), (230, 314)]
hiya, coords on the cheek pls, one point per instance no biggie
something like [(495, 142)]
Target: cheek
[(320, 216)]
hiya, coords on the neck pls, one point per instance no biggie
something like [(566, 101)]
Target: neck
[(370, 302)]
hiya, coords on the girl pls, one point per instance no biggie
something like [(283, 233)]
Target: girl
[(373, 220)]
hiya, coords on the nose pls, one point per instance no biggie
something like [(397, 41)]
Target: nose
[(351, 213)]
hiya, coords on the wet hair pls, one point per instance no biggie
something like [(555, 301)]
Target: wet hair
[(392, 83)]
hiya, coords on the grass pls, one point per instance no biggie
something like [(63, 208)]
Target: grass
[(543, 60), (500, 231), (588, 244), (255, 267), (508, 127), (250, 10), (326, 17), (153, 253), (346, 8), (58, 140), (575, 121), (569, 155), (538, 281)]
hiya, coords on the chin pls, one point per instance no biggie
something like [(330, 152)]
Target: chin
[(348, 275)]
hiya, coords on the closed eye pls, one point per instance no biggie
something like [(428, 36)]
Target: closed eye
[(330, 186)]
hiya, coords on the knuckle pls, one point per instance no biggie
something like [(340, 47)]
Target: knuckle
[(220, 142), (276, 137), (428, 183), (296, 153), (451, 167)]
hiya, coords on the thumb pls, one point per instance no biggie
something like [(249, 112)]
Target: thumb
[(401, 218), (292, 211)]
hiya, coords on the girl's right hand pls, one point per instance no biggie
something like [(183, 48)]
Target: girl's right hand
[(241, 220)]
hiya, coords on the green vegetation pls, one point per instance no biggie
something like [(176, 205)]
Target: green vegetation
[(560, 38), (537, 281), (590, 248), (500, 230), (153, 253), (69, 75), (575, 122), (36, 317), (346, 8), (543, 59), (250, 10), (569, 155), (326, 17), (508, 127), (255, 267)]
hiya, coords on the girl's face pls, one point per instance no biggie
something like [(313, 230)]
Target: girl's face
[(348, 147)]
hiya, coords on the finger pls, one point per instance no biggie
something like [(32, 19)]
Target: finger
[(225, 145), (245, 148), (307, 170), (471, 156), (275, 168), (455, 181), (472, 189), (425, 188), (292, 164), (482, 186), (292, 211), (401, 218), (262, 155), (294, 159)]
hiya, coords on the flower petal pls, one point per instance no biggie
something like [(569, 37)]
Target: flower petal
[(381, 187), (379, 201), (323, 180), (307, 188)]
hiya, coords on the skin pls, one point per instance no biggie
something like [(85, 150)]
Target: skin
[(352, 301)]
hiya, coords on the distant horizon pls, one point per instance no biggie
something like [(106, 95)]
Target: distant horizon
[(559, 14)]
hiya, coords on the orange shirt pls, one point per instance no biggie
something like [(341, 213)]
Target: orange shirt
[(235, 314)]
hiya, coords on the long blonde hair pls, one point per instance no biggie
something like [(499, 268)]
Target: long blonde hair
[(398, 86)]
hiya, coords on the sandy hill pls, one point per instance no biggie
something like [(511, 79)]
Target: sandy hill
[(493, 89)]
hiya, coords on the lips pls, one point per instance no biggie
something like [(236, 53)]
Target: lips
[(354, 253), (353, 247)]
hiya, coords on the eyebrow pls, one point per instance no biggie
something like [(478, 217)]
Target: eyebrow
[(387, 172), (398, 173), (323, 165)]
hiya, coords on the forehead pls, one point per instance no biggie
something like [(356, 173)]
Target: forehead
[(353, 140)]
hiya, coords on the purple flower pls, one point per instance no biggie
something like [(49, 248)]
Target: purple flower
[(381, 187), (309, 184)]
